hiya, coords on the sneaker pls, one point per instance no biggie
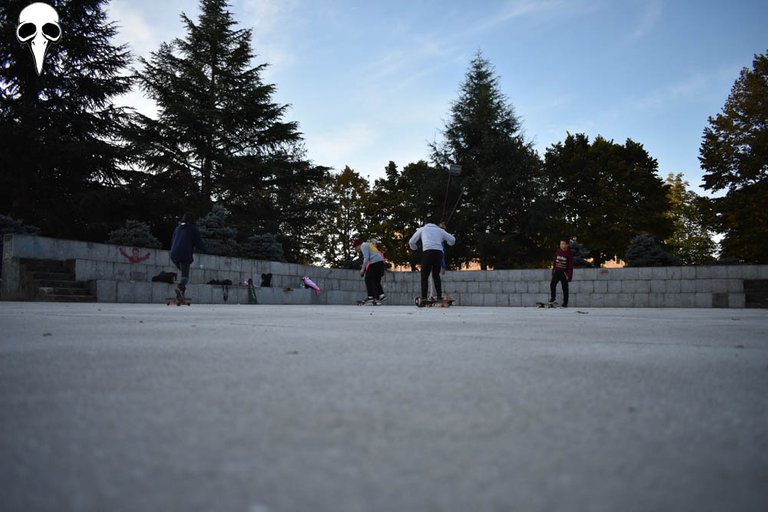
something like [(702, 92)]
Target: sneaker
[(369, 300), (381, 297)]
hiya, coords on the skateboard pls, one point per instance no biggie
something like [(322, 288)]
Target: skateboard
[(178, 300), (445, 302), (252, 290), (368, 303), (546, 305)]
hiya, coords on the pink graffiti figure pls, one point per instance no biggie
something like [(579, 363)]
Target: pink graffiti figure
[(134, 256)]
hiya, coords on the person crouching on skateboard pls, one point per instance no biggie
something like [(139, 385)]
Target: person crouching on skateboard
[(186, 239), (372, 269), (562, 271), (432, 238)]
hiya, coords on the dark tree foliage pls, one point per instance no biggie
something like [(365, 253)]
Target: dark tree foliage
[(59, 130), (606, 192), (347, 194), (734, 154), (263, 247), (218, 236), (496, 221), (580, 255), (8, 226), (401, 203), (691, 240), (643, 251), (134, 234), (221, 138)]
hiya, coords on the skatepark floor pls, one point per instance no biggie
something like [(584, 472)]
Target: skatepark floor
[(346, 408)]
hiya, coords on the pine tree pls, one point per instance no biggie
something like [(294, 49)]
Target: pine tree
[(264, 247), (58, 130), (220, 137), (134, 234), (643, 251), (498, 178), (219, 238)]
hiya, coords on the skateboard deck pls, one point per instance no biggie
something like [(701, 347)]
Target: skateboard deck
[(177, 302), (436, 303), (546, 305)]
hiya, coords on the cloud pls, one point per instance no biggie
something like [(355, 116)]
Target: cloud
[(341, 146), (265, 16), (511, 11), (661, 97), (269, 20), (134, 28), (652, 13)]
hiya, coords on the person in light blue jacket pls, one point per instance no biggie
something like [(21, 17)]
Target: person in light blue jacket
[(432, 238), (372, 269)]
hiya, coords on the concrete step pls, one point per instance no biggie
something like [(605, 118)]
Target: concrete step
[(55, 281), (67, 298), (33, 265), (60, 283), (63, 290), (48, 275)]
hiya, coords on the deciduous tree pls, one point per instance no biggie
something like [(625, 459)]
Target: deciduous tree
[(734, 154)]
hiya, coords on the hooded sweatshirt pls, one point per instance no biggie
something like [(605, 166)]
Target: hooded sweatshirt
[(186, 238), (370, 253), (432, 238), (563, 261)]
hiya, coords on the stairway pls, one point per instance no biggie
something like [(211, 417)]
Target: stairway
[(54, 281)]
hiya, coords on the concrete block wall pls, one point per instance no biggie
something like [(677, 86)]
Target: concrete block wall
[(115, 278)]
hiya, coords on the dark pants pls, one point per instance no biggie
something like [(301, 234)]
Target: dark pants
[(559, 275), (184, 268), (431, 263), (373, 279)]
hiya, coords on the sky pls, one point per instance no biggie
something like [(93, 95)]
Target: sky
[(373, 82)]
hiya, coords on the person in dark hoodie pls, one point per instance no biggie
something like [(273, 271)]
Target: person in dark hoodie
[(186, 240), (562, 271)]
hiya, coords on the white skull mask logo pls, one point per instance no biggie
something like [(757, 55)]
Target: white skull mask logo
[(38, 26)]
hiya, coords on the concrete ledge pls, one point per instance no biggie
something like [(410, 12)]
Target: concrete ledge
[(119, 274)]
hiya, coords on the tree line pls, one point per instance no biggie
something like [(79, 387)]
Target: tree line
[(76, 165)]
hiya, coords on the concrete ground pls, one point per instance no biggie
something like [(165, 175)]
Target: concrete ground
[(391, 408)]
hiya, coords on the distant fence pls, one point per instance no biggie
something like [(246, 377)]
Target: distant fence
[(123, 274)]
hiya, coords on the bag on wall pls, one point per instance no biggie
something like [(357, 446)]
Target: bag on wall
[(165, 277)]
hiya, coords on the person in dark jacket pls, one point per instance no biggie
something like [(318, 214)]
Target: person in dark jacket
[(186, 240), (562, 271)]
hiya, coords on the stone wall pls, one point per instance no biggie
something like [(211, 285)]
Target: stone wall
[(119, 274)]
